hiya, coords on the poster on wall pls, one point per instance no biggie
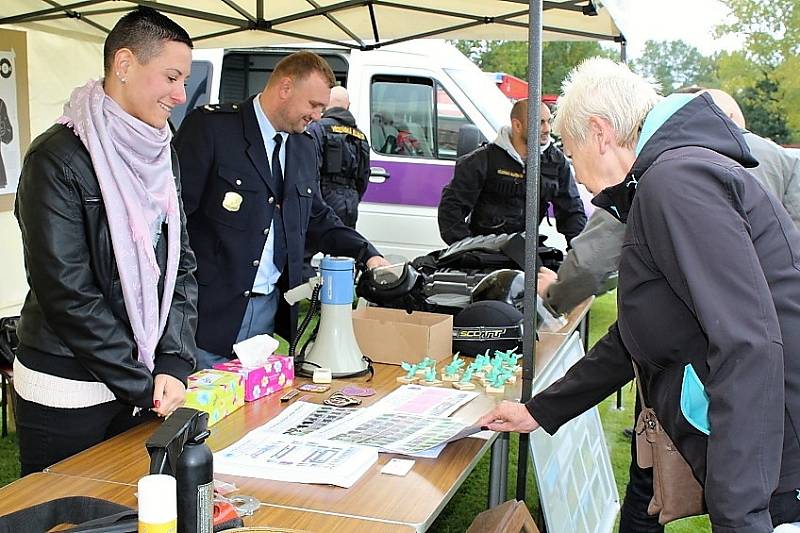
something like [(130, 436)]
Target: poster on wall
[(10, 160)]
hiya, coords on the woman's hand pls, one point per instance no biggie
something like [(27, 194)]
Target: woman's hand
[(168, 393), (509, 416)]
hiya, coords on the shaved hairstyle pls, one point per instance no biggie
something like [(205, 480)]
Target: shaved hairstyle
[(520, 110), (143, 31)]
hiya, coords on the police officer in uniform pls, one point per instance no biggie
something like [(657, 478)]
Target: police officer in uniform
[(344, 156), (487, 193), (251, 193)]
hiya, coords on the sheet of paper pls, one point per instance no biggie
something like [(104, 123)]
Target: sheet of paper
[(421, 400), (303, 418), (295, 459), (390, 431)]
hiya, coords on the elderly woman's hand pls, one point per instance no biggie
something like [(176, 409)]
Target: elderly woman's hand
[(509, 416), (168, 393)]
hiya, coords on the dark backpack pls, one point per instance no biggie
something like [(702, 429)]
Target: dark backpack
[(8, 339)]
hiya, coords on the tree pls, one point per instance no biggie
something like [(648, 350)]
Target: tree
[(675, 64), (772, 43), (763, 116), (511, 57)]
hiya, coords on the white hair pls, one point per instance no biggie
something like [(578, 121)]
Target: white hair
[(606, 89)]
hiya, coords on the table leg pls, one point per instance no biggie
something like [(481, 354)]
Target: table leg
[(498, 471)]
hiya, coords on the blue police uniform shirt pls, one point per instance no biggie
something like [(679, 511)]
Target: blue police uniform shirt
[(268, 274)]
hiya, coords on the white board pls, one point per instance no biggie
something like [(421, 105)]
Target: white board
[(573, 468)]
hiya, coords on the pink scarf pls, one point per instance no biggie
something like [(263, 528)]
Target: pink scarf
[(133, 164)]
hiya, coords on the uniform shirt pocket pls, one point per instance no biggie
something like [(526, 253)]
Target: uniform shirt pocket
[(232, 199)]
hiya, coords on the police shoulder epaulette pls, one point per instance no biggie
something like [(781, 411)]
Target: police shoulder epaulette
[(347, 130), (221, 108)]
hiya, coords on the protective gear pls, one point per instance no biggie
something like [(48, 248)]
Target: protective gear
[(503, 286), (488, 325), (344, 155)]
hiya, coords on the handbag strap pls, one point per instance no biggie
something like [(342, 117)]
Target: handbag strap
[(92, 514), (639, 384)]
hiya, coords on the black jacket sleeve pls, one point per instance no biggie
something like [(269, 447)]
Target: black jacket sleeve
[(327, 234), (700, 239), (567, 203), (50, 213), (605, 369), (175, 353), (363, 168), (460, 196)]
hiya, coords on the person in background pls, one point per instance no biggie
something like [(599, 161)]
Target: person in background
[(707, 299), (487, 193), (251, 189), (595, 252), (344, 154), (107, 328)]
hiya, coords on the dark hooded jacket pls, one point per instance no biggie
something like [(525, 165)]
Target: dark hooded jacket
[(709, 277)]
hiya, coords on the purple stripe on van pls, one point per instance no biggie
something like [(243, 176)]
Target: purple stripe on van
[(410, 183)]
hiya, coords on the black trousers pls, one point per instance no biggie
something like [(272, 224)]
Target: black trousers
[(48, 435), (633, 515)]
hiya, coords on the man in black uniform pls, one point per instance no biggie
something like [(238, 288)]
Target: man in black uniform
[(487, 194), (344, 156), (251, 193)]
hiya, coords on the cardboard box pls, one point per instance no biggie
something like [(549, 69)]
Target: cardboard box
[(215, 392), (393, 336), (276, 375)]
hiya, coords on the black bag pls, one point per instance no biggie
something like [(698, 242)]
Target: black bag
[(8, 339)]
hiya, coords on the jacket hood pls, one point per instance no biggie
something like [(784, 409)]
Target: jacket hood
[(341, 114), (503, 140), (678, 121)]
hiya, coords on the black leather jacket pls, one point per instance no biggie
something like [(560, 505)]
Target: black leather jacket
[(74, 323)]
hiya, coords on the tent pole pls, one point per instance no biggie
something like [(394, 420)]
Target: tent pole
[(531, 225)]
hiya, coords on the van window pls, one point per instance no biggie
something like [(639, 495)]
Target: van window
[(198, 91), (245, 73), (449, 119), (493, 104), (414, 117)]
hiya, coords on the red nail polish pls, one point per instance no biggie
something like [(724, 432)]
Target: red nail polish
[(157, 403)]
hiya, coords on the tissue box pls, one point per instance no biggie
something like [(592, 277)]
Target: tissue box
[(277, 374), (217, 393)]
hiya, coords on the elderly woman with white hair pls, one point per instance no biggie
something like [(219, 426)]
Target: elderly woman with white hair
[(708, 297)]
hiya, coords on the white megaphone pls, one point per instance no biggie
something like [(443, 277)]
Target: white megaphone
[(336, 347)]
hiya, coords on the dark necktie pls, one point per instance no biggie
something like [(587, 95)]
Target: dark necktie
[(279, 248)]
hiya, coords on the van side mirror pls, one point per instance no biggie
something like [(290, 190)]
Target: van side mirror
[(378, 174), (469, 139)]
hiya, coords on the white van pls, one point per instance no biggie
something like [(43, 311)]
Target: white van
[(415, 101)]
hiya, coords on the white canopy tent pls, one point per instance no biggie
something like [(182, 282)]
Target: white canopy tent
[(361, 24), (64, 41)]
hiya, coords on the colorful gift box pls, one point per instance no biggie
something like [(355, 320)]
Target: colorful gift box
[(215, 392), (277, 374)]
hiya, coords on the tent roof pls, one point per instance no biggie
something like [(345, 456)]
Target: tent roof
[(361, 24)]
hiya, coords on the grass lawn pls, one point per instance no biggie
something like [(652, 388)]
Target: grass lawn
[(471, 497)]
